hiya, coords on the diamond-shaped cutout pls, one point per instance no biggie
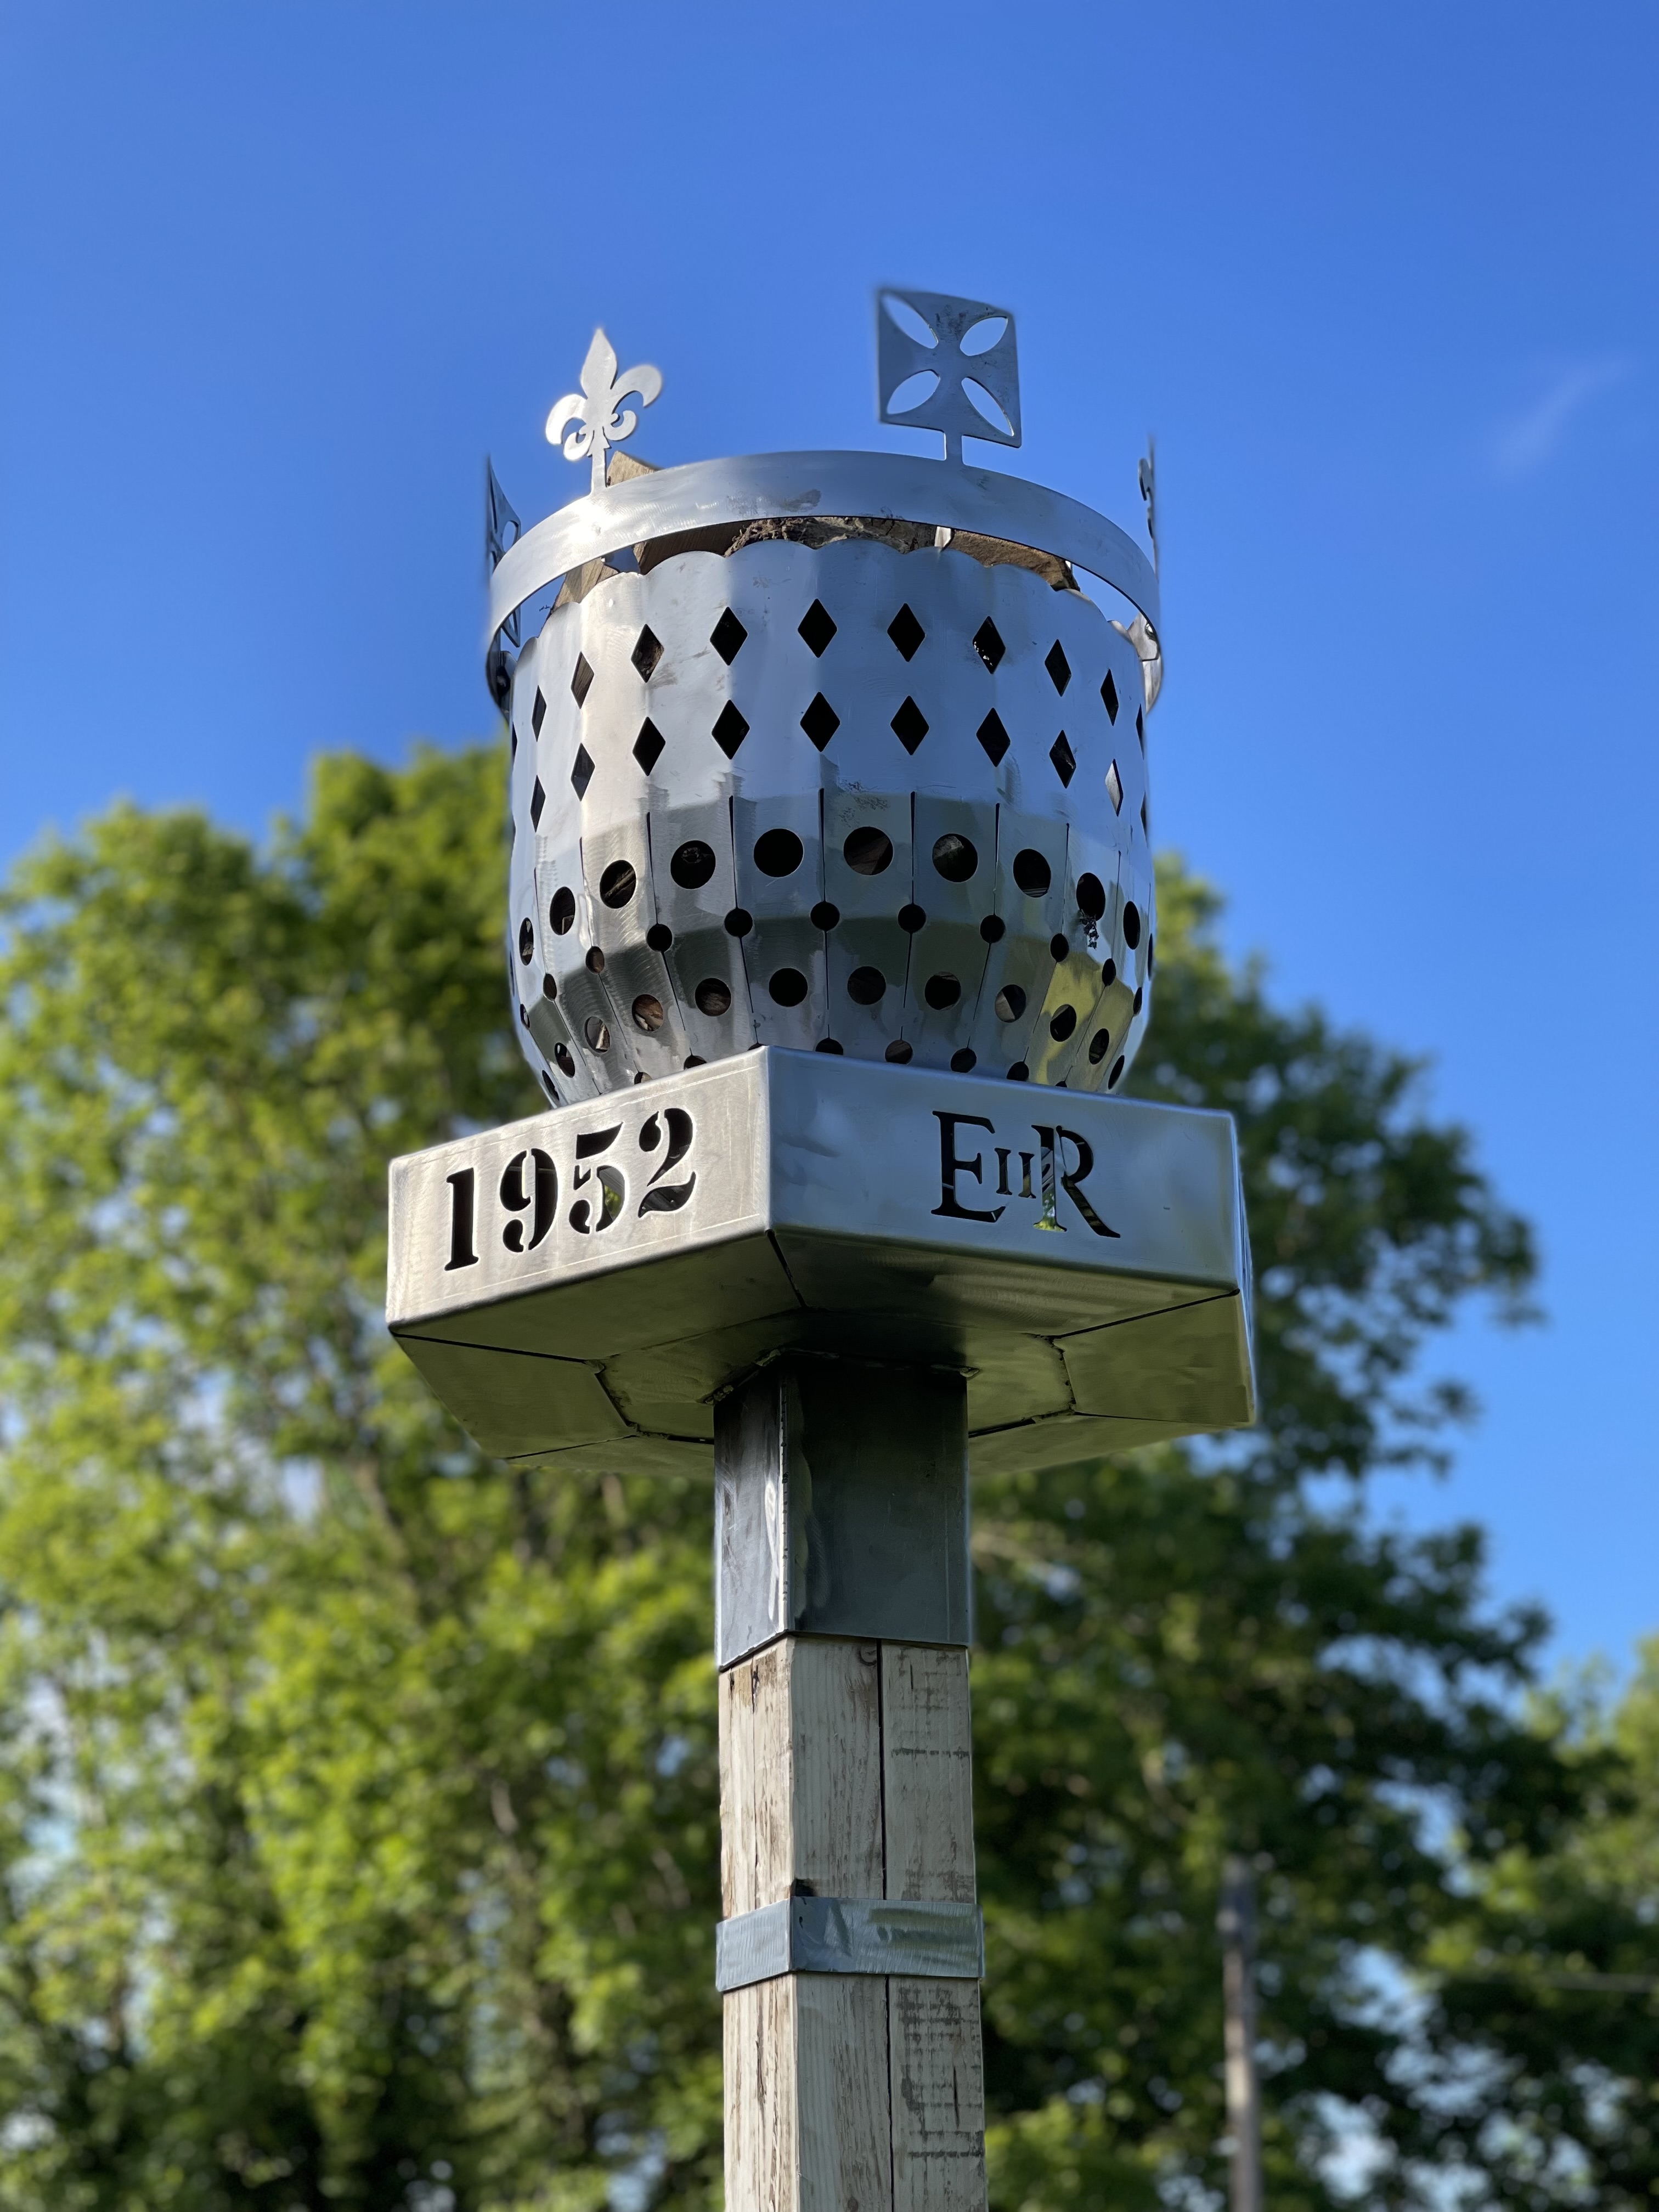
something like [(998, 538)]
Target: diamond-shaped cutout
[(537, 801), (987, 643), (909, 726), (647, 651), (1114, 788), (1140, 728), (906, 633), (727, 638), (1108, 693), (820, 721), (1063, 758), (817, 627), (1059, 668), (581, 771), (730, 729), (581, 679), (994, 739), (538, 714), (647, 746)]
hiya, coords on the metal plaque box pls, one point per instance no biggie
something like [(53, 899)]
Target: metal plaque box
[(583, 1284)]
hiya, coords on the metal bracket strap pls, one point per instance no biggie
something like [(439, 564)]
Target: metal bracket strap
[(756, 487), (936, 1941)]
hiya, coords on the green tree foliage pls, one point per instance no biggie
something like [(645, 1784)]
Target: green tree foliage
[(1187, 1652), (1554, 1972), (358, 1839)]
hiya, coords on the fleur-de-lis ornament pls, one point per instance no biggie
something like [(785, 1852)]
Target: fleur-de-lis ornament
[(597, 407)]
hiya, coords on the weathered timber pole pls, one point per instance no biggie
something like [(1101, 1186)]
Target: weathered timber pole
[(1237, 1921), (850, 1952)]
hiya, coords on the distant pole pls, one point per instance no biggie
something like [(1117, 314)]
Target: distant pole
[(1236, 1921)]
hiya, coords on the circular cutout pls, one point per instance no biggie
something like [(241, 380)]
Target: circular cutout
[(566, 1059), (1090, 898), (1139, 996), (961, 1063), (867, 851), (562, 910), (712, 997), (1061, 1023), (739, 922), (1117, 1070), (1019, 1072), (549, 987), (1109, 971), (898, 1052), (1151, 954), (911, 919), (647, 1013), (828, 1044), (788, 987), (825, 915), (941, 991), (1031, 872), (1058, 947), (779, 853), (1099, 1045), (1009, 1003), (660, 937), (597, 1034), (692, 864), (618, 884), (866, 987), (594, 961), (955, 857), (1131, 925), (526, 941), (994, 929)]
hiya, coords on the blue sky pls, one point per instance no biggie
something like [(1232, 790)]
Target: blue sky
[(1383, 282)]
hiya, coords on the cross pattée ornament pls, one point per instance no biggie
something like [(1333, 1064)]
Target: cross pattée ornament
[(597, 408), (990, 370)]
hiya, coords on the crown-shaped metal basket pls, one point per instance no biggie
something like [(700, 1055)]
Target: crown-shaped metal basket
[(827, 750)]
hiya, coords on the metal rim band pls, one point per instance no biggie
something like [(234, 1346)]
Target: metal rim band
[(935, 1940), (775, 486)]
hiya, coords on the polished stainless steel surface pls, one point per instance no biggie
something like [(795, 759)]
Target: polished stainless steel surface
[(840, 1506), (940, 350), (939, 1940), (796, 487), (915, 786), (586, 1283), (1146, 476), (502, 529), (597, 411), (827, 750), (832, 909)]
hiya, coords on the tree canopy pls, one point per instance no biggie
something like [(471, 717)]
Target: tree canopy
[(358, 1824)]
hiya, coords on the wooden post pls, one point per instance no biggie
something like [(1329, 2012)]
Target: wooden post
[(1238, 1923), (846, 1773)]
